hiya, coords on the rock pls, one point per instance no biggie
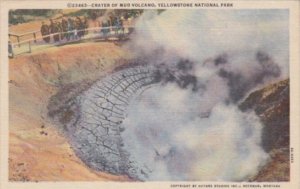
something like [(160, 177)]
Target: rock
[(271, 104)]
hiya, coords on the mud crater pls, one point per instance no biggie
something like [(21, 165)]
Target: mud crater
[(90, 115)]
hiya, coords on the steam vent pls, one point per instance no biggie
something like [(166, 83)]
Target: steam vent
[(112, 124)]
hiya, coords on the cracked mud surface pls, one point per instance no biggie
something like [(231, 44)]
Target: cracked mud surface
[(93, 120), (91, 114)]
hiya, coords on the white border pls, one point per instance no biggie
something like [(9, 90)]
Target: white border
[(293, 7)]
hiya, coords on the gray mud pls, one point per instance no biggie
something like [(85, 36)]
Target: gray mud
[(90, 115)]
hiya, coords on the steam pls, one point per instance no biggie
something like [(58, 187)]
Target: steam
[(188, 126), (198, 35), (171, 139)]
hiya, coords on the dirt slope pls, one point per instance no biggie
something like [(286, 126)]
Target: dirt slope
[(37, 151), (271, 104)]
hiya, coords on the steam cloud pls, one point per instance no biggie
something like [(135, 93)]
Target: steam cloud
[(188, 126), (170, 140)]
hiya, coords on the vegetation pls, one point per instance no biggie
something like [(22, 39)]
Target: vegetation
[(93, 14), (18, 16)]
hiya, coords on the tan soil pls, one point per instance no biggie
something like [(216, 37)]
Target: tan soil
[(37, 151)]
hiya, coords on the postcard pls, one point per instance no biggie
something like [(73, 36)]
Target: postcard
[(150, 94)]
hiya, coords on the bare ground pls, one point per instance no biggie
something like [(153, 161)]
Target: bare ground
[(37, 150)]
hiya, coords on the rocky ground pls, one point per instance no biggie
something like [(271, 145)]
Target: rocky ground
[(271, 104)]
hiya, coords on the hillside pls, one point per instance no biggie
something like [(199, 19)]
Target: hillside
[(37, 151), (271, 104)]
